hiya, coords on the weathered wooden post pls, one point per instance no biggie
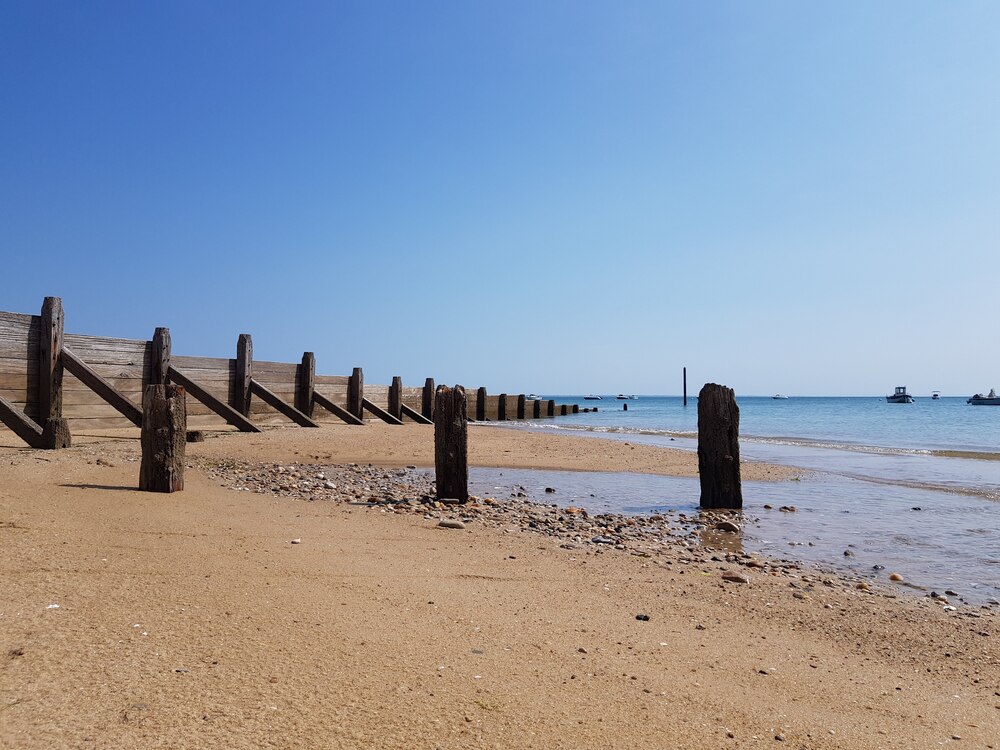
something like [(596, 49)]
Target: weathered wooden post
[(396, 397), (244, 373), (164, 436), (481, 404), (55, 429), (719, 447), (306, 384), (685, 386), (576, 408), (451, 443), (427, 399), (356, 393), (550, 409), (159, 357), (520, 406), (536, 410), (502, 408), (563, 409)]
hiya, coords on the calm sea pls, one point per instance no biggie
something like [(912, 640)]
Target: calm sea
[(907, 488)]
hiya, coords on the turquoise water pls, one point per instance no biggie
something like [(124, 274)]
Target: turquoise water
[(877, 480), (866, 422)]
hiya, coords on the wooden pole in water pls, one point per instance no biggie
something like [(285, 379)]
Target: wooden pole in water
[(685, 386), (451, 443), (164, 436), (719, 447)]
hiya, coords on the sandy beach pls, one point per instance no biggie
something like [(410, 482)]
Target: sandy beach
[(192, 620)]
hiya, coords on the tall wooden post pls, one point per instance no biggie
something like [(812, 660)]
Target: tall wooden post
[(550, 409), (356, 393), (244, 373), (576, 409), (306, 384), (536, 410), (55, 429), (451, 443), (520, 405), (502, 408), (563, 409), (685, 386), (396, 397), (427, 399), (159, 357), (481, 405), (719, 447), (164, 436)]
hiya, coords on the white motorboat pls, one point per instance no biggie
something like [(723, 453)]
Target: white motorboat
[(990, 399), (779, 396)]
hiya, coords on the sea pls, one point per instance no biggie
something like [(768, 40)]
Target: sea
[(912, 489)]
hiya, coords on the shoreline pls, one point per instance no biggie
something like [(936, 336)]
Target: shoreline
[(197, 616)]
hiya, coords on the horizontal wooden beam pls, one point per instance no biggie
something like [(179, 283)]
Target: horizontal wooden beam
[(413, 414), (219, 406), (20, 423), (379, 412), (274, 402), (89, 377), (336, 409)]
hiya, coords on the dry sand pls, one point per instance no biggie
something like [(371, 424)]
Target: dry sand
[(190, 620)]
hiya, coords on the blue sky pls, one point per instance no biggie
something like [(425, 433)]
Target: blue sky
[(531, 196)]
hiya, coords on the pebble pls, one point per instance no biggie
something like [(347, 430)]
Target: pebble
[(296, 541), (449, 524), (727, 526), (895, 577), (643, 618), (735, 578)]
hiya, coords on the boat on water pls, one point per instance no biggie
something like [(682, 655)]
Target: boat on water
[(593, 398), (990, 399), (623, 397), (900, 396), (935, 395), (533, 397), (779, 396)]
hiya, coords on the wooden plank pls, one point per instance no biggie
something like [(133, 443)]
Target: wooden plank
[(336, 409), (451, 444), (20, 424), (380, 412), (287, 409), (244, 374), (395, 398), (427, 399), (413, 414), (220, 407), (281, 370), (307, 384), (159, 358), (50, 371), (223, 364), (332, 380), (491, 407), (99, 385), (356, 393)]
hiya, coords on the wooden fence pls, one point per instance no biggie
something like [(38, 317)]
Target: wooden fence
[(52, 383)]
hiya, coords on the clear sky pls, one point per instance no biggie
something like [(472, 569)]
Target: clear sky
[(560, 197)]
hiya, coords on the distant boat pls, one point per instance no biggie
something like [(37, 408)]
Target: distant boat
[(990, 399), (900, 396), (593, 398), (533, 397), (623, 397), (935, 395), (778, 395)]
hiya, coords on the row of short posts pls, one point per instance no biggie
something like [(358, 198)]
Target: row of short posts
[(718, 445), (164, 437)]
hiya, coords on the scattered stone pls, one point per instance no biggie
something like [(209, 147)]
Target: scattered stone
[(449, 524), (643, 618), (727, 526), (895, 577), (735, 578), (550, 490), (195, 436), (296, 541)]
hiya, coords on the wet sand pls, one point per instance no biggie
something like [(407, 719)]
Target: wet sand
[(191, 620)]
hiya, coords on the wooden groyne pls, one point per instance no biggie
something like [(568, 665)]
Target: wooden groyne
[(53, 383)]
